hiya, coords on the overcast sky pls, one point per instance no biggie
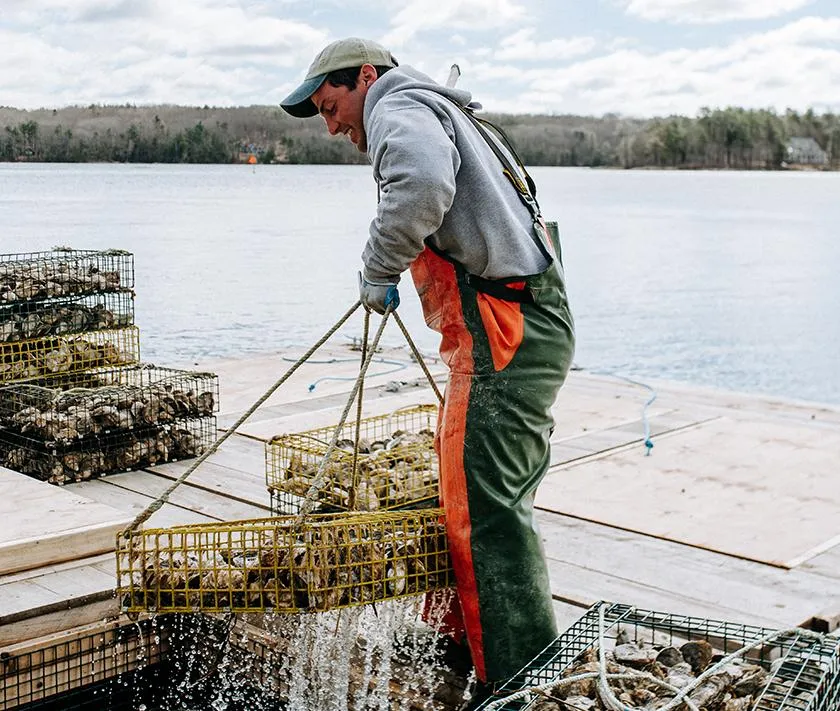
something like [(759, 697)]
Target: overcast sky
[(634, 57)]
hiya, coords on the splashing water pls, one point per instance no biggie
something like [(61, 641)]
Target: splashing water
[(383, 657)]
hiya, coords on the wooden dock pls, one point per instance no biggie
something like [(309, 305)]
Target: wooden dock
[(735, 515)]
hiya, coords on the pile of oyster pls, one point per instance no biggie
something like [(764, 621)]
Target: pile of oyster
[(49, 278), (397, 470), (320, 568), (63, 417), (141, 449), (58, 355), (735, 687), (39, 320)]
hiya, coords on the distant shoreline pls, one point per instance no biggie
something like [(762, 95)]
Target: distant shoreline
[(617, 168), (729, 138)]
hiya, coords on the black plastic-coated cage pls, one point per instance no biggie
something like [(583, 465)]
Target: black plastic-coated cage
[(25, 320), (98, 455), (103, 402), (30, 276), (804, 668), (52, 358)]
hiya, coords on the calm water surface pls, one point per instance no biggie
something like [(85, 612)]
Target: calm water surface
[(724, 279)]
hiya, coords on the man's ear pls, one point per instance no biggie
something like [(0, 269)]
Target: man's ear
[(368, 74)]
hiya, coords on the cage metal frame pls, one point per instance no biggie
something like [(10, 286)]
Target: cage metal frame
[(33, 674), (54, 357), (104, 401), (25, 320), (285, 564), (404, 476), (100, 455), (35, 276), (804, 664)]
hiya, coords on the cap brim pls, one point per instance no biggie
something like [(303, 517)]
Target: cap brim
[(299, 102)]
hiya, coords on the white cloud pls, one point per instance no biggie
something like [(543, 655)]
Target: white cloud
[(424, 15), (521, 45), (710, 11), (190, 52), (797, 65)]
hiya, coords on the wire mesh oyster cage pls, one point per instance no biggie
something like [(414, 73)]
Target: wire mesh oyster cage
[(29, 276), (105, 401), (286, 564), (396, 464), (51, 358), (21, 321), (720, 666), (106, 453)]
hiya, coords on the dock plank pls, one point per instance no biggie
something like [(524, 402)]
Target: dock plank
[(45, 524), (190, 498), (248, 487), (133, 503), (776, 503), (788, 597)]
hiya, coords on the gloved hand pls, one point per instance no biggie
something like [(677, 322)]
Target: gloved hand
[(378, 295)]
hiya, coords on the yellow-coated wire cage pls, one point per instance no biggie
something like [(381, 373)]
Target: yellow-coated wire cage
[(322, 562), (396, 465), (48, 359)]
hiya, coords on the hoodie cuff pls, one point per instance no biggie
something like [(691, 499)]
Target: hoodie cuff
[(374, 277)]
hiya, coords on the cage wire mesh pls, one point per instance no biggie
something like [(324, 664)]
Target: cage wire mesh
[(396, 464), (55, 675), (285, 564), (105, 402), (61, 272), (25, 320), (107, 452), (798, 670), (51, 358)]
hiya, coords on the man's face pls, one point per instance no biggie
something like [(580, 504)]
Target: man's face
[(342, 108)]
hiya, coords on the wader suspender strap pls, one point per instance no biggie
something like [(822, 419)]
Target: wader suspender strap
[(527, 191)]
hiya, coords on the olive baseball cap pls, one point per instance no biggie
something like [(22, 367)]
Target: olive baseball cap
[(342, 54)]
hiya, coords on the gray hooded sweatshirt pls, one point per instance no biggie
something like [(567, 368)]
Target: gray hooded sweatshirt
[(439, 181)]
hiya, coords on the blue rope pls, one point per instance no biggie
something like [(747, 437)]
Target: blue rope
[(645, 421), (399, 364)]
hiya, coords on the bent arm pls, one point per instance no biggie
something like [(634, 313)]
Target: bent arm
[(415, 163)]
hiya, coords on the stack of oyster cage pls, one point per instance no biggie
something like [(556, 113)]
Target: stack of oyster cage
[(75, 400)]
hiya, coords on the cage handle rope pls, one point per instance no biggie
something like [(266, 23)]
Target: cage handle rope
[(144, 515), (418, 357), (354, 475), (310, 498)]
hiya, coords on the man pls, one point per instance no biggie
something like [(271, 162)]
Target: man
[(455, 211)]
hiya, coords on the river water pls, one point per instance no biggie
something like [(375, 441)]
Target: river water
[(716, 278)]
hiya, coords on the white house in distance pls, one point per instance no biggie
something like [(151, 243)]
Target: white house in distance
[(805, 151)]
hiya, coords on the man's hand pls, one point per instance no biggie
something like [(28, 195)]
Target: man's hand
[(378, 295)]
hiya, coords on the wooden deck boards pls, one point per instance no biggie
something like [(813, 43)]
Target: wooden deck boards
[(598, 418)]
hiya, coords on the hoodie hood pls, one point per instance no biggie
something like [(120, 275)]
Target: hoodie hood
[(405, 78)]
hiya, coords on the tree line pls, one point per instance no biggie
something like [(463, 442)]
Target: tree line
[(734, 138)]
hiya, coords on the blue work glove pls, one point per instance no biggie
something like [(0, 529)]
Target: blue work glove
[(378, 295)]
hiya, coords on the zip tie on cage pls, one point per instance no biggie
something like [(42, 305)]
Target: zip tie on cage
[(418, 356), (144, 515), (311, 497)]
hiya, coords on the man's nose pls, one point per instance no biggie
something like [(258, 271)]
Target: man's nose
[(332, 125)]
